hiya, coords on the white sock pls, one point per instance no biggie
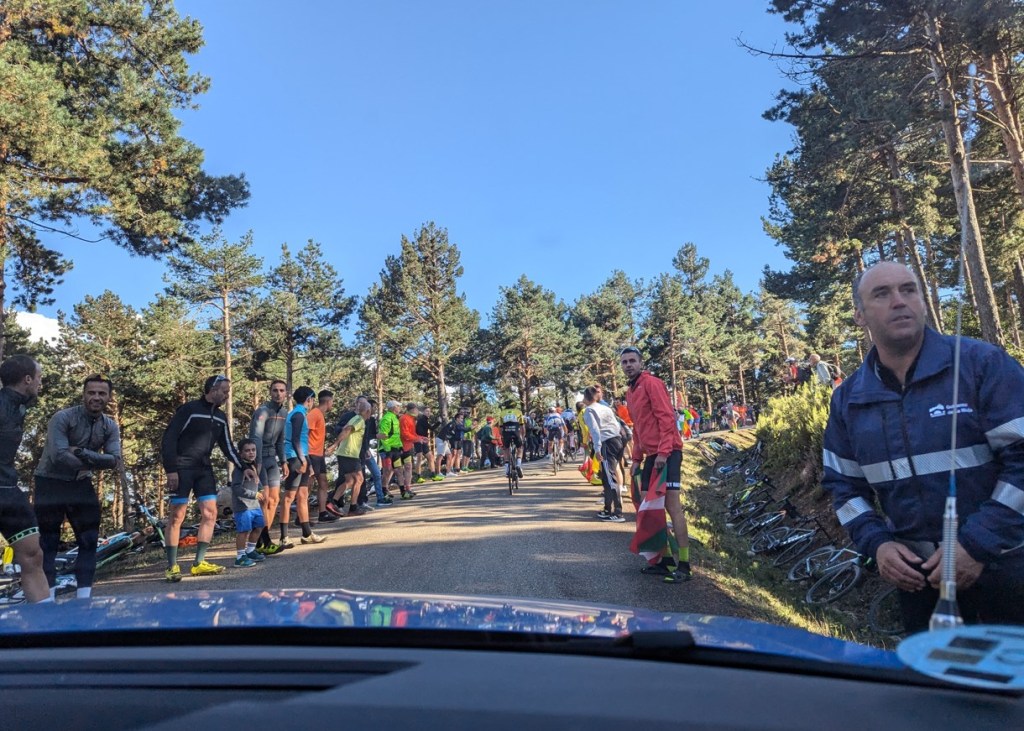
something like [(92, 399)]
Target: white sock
[(250, 547), (519, 463), (48, 600), (241, 552), (83, 592), (53, 593)]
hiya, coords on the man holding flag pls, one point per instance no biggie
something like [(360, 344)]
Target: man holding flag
[(656, 483)]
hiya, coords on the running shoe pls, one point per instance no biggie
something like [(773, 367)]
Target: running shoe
[(313, 538), (205, 568), (387, 500), (257, 557), (408, 495), (604, 515), (677, 577), (519, 472), (173, 574), (367, 506), (268, 550), (617, 519), (244, 562), (334, 510), (358, 510), (419, 480), (437, 478), (326, 517)]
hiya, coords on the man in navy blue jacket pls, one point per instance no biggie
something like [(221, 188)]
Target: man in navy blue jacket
[(887, 455)]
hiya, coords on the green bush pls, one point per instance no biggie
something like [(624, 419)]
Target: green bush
[(792, 428)]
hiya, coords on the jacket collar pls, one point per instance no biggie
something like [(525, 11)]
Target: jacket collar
[(935, 357)]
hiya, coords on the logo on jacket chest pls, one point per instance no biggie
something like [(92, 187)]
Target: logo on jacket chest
[(949, 409)]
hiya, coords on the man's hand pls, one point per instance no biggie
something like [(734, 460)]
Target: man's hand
[(898, 565), (284, 471), (967, 569), (261, 497), (597, 455), (660, 461), (250, 474), (381, 436), (172, 482)]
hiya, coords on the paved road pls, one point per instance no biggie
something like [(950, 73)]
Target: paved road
[(466, 535)]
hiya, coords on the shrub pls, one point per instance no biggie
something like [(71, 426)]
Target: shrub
[(792, 428)]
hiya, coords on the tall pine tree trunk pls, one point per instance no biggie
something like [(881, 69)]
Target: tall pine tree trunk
[(984, 296), (226, 324), (909, 241), (442, 394), (995, 68)]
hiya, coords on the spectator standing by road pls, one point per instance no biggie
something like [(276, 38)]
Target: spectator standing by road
[(888, 437), (656, 441), (296, 449), (316, 418), (187, 443), (606, 435), (267, 430), (22, 378), (78, 440)]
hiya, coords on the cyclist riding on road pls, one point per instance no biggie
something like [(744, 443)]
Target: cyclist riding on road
[(554, 427), (512, 437)]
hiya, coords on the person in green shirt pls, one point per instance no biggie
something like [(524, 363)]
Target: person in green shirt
[(389, 440), (347, 448)]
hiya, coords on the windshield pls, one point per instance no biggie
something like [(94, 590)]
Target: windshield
[(613, 315)]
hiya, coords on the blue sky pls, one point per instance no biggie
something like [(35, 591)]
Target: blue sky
[(560, 139)]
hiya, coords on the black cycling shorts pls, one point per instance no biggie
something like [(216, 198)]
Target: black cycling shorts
[(349, 466), (200, 483), (270, 472), (420, 448), (318, 464), (674, 464), (297, 477), (17, 518), (554, 433), (510, 440), (467, 447)]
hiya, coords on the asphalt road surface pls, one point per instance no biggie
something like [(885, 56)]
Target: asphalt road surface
[(465, 535)]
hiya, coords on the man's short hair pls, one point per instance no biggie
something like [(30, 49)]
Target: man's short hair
[(242, 443), (391, 405), (14, 370), (410, 406), (277, 381), (324, 395), (96, 378), (303, 394)]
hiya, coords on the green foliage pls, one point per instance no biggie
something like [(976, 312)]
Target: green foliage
[(88, 129), (793, 429)]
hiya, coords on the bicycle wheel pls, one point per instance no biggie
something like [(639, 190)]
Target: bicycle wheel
[(885, 615), (769, 540), (795, 547), (811, 564), (835, 584), (745, 511), (554, 462), (760, 522)]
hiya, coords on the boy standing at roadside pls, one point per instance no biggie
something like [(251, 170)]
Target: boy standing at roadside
[(247, 504)]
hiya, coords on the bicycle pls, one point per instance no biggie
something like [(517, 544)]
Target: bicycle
[(513, 479), (839, 580), (557, 457)]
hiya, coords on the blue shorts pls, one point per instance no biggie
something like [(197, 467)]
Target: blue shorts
[(249, 520)]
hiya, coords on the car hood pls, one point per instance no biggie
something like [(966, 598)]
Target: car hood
[(339, 608)]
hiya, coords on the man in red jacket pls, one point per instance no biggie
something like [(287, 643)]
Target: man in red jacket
[(656, 437)]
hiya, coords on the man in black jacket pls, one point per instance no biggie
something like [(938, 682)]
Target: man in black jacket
[(188, 441), (21, 377)]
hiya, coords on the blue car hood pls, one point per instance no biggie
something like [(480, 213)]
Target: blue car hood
[(339, 608)]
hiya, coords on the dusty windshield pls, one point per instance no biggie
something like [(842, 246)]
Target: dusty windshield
[(640, 307)]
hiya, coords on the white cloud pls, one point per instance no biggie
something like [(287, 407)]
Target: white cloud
[(40, 327)]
